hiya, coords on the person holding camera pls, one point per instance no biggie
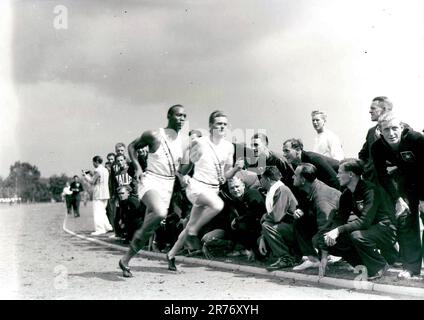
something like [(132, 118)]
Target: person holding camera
[(100, 181)]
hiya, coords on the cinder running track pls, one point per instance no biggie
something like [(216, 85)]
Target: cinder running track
[(40, 261)]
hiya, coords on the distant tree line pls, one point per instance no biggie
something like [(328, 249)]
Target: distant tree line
[(25, 181)]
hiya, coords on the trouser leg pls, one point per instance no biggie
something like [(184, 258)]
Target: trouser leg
[(281, 240), (344, 248), (409, 238), (305, 229), (76, 204), (368, 242)]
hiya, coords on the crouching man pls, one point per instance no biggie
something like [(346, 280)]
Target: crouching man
[(369, 221), (277, 223)]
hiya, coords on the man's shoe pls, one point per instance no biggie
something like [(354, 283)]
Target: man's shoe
[(279, 264), (306, 265), (407, 275), (97, 233), (379, 273), (171, 263), (126, 272)]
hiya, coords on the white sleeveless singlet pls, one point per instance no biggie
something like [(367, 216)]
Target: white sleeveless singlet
[(167, 158)]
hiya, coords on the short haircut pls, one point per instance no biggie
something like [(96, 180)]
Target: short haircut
[(125, 187), (261, 136), (111, 154), (171, 110), (387, 116), (355, 166), (119, 144), (196, 132), (384, 103), (121, 155), (97, 159), (296, 144), (75, 176), (308, 171), (322, 114), (235, 179), (272, 173), (216, 114)]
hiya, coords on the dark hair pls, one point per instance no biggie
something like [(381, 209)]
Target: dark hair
[(121, 155), (353, 165), (195, 131), (272, 173), (308, 171), (75, 176), (261, 136), (384, 103), (216, 114), (172, 109), (97, 159), (296, 144), (111, 154)]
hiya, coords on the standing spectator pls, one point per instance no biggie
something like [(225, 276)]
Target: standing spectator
[(326, 167), (327, 143), (110, 160), (67, 197), (370, 220), (277, 223), (100, 181), (76, 188), (123, 174), (402, 148), (379, 105)]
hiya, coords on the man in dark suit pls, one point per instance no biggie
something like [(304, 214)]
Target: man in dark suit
[(378, 106), (76, 188), (326, 167)]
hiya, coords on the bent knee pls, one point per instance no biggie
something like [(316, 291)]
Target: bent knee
[(218, 206), (357, 236)]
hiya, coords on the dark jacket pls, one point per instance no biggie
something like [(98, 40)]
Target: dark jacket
[(409, 160), (365, 153), (364, 207), (249, 209), (326, 167), (282, 165)]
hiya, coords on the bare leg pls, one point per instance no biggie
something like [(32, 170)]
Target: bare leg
[(155, 213), (207, 206)]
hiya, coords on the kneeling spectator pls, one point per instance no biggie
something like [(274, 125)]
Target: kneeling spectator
[(369, 220), (321, 200), (277, 223), (131, 212)]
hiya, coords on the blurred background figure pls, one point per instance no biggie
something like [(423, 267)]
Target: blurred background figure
[(327, 142), (67, 197)]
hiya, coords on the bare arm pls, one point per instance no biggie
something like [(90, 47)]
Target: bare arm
[(149, 139)]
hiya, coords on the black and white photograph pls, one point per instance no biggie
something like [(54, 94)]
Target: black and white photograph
[(229, 152)]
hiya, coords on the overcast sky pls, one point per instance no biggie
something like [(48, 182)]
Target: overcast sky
[(69, 94)]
